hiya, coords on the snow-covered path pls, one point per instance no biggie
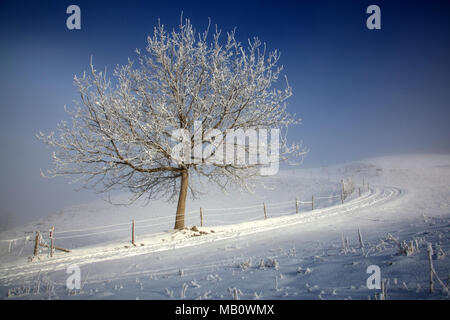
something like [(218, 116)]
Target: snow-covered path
[(186, 238)]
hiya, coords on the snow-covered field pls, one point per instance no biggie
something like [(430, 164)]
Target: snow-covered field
[(239, 254)]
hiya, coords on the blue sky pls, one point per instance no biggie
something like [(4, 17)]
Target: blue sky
[(360, 92)]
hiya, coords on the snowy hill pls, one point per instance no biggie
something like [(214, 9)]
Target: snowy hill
[(313, 254)]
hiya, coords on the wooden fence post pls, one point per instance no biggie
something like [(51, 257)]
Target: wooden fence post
[(36, 243), (342, 191), (201, 217), (359, 189), (51, 241), (132, 232), (430, 260), (265, 211), (296, 205), (383, 295), (312, 203)]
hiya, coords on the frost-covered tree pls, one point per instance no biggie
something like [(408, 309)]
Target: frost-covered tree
[(121, 131)]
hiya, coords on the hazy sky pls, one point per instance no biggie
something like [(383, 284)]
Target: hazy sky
[(360, 92)]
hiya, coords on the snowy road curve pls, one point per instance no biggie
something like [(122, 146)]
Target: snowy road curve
[(178, 239)]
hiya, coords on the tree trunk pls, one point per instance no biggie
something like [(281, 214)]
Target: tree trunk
[(179, 220)]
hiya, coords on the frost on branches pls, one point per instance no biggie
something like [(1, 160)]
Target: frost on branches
[(121, 131)]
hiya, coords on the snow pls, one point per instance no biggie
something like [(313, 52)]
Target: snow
[(238, 254)]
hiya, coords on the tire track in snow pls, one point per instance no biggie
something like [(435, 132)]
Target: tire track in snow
[(83, 256)]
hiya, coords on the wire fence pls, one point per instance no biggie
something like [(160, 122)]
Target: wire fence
[(209, 216)]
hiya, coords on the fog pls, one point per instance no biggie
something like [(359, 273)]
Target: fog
[(359, 93)]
